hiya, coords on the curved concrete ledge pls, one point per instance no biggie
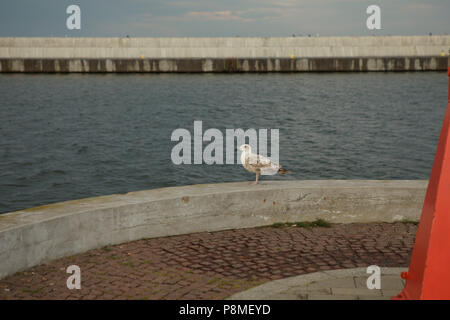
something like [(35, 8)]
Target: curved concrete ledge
[(315, 284), (33, 236)]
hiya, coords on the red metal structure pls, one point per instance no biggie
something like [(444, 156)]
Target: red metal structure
[(429, 271)]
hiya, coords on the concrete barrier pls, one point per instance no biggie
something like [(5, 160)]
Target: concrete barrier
[(237, 47), (292, 54), (33, 236), (224, 65)]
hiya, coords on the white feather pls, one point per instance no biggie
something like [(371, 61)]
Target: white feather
[(255, 162)]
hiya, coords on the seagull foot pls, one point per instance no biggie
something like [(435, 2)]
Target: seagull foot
[(253, 183)]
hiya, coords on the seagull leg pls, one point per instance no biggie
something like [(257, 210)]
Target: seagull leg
[(255, 182)]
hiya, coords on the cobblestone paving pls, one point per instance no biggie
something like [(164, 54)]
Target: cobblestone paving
[(214, 265)]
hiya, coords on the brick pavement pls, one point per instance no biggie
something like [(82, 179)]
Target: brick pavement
[(214, 265)]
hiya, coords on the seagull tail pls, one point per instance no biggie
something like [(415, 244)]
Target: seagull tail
[(282, 171)]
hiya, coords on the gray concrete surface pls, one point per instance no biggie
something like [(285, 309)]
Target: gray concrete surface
[(343, 284), (237, 47), (30, 237)]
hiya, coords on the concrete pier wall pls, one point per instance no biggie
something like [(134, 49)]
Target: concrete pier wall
[(30, 237), (222, 65), (290, 54), (183, 48)]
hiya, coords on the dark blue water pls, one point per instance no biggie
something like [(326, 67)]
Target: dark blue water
[(66, 137)]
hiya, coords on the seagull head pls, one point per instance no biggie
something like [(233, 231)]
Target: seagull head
[(245, 148)]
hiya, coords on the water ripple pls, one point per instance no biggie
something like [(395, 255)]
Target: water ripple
[(66, 137)]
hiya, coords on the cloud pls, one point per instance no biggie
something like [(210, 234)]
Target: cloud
[(421, 7), (247, 15), (185, 3), (219, 15), (222, 18)]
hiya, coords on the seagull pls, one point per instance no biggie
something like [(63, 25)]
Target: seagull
[(259, 164)]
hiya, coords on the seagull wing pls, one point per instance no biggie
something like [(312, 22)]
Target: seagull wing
[(264, 164), (257, 161)]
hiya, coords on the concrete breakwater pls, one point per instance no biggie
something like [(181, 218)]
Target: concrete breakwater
[(290, 54), (29, 237), (224, 65)]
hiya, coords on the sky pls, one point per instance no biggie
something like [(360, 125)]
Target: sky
[(222, 18)]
